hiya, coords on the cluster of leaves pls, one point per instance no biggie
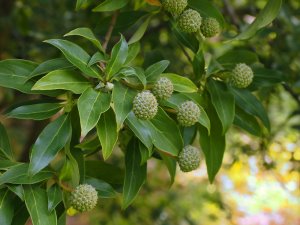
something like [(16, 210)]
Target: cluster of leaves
[(89, 100)]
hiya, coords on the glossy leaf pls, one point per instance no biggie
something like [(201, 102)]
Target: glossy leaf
[(250, 104), (247, 122), (153, 71), (5, 148), (107, 132), (36, 203), (212, 145), (180, 83), (55, 196), (6, 207), (223, 101), (265, 17), (110, 5), (188, 40), (171, 165), (97, 57), (135, 174), (133, 51), (137, 36), (104, 171), (15, 72), (6, 164), (17, 190), (75, 54), (38, 111), (50, 141), (19, 175), (118, 57), (62, 79), (134, 72), (86, 33), (50, 65), (122, 98), (145, 153), (91, 105), (199, 65), (104, 189)]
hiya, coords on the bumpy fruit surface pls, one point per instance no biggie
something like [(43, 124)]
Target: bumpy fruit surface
[(210, 27), (84, 198), (163, 88), (189, 21), (175, 7), (145, 105), (189, 158), (188, 114), (242, 76)]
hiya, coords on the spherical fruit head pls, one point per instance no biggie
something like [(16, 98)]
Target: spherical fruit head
[(188, 114), (145, 105), (189, 158), (175, 7), (210, 27), (84, 198), (242, 76), (189, 21), (163, 88)]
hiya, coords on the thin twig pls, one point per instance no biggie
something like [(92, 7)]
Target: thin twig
[(185, 53), (110, 29)]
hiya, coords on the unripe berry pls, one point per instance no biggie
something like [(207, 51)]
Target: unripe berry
[(175, 7), (189, 158), (163, 88), (210, 27), (84, 198), (242, 76), (145, 105), (189, 21), (188, 113)]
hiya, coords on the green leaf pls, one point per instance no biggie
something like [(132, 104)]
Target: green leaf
[(50, 65), (104, 189), (36, 203), (212, 145), (54, 194), (80, 3), (247, 122), (135, 174), (223, 101), (6, 164), (199, 65), (180, 83), (15, 72), (145, 153), (207, 9), (97, 57), (38, 111), (17, 189), (157, 131), (171, 165), (153, 71), (122, 98), (118, 57), (21, 215), (19, 175), (110, 5), (135, 72), (104, 171), (133, 51), (88, 34), (137, 36), (51, 140), (107, 132), (5, 148), (75, 54), (90, 144), (250, 104), (91, 105), (188, 40), (62, 79), (266, 78), (265, 17), (6, 207)]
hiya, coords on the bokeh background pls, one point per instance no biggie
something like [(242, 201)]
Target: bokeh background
[(259, 180)]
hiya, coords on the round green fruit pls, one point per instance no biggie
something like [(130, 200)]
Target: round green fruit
[(163, 88), (145, 105), (189, 158), (84, 198), (189, 21), (242, 76), (175, 7), (188, 114), (210, 27)]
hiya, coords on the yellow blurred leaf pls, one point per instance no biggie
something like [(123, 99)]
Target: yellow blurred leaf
[(153, 2)]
